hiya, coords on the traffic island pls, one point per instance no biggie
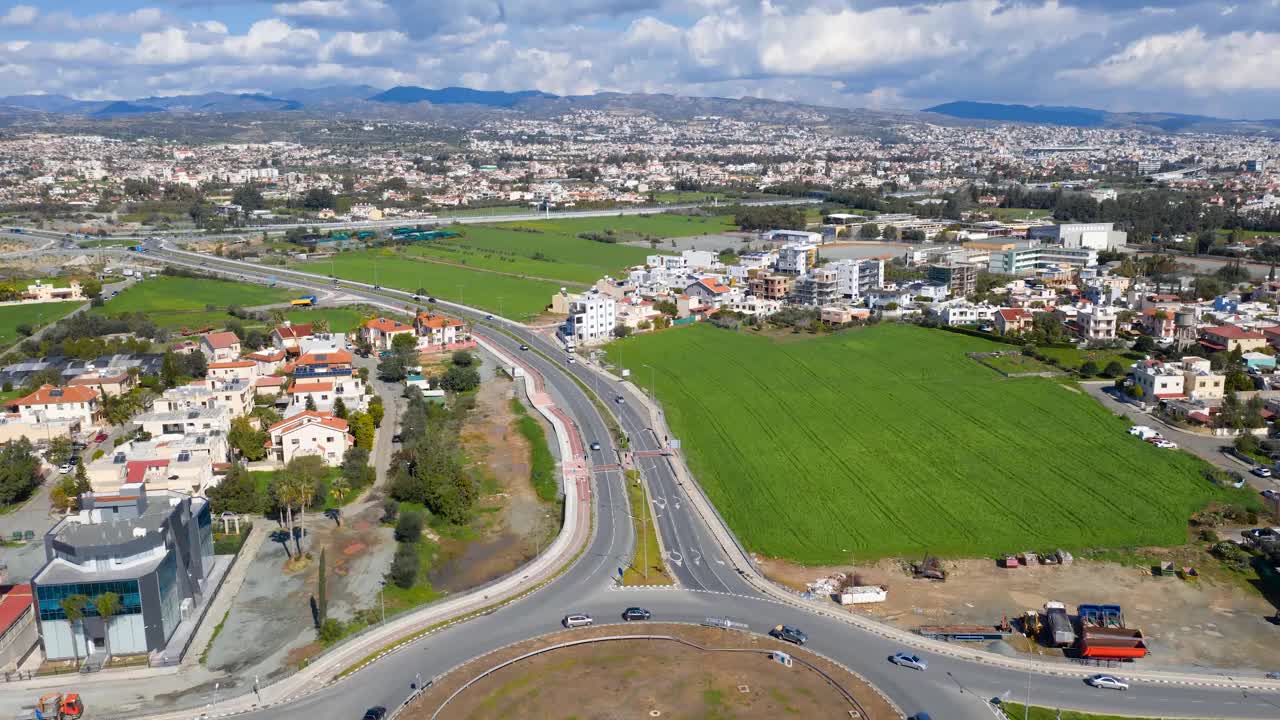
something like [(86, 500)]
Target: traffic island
[(653, 670)]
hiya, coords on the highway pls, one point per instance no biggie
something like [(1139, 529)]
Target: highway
[(957, 686)]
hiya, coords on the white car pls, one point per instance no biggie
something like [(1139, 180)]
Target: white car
[(64, 468), (1139, 430), (1162, 443), (1261, 471), (1107, 682)]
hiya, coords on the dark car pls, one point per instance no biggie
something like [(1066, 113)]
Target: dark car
[(396, 438), (431, 299), (636, 613), (375, 713), (790, 634)]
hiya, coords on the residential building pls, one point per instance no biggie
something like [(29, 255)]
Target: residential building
[(78, 404), (236, 395), (1230, 338), (233, 370), (856, 278), (285, 337), (796, 258), (770, 286), (43, 292), (960, 278), (381, 332), (18, 635), (220, 347), (1012, 321), (191, 421), (591, 319), (441, 333), (1190, 378), (324, 378), (709, 290), (268, 361), (963, 313), (753, 306), (1096, 322), (152, 548), (310, 433), (1158, 323), (182, 463), (109, 381), (817, 288)]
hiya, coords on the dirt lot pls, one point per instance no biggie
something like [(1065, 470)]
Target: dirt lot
[(650, 679), (1201, 623), (512, 523)]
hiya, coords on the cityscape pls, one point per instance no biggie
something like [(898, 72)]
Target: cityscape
[(385, 359)]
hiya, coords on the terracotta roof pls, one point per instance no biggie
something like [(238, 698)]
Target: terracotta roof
[(14, 601), (310, 387), (713, 285), (98, 379), (436, 320), (1231, 332), (271, 381), (232, 364), (272, 355), (1012, 314), (309, 417), (221, 340), (337, 357), (384, 325), (52, 395), (136, 470), (295, 331)]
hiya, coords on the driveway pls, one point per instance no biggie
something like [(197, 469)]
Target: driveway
[(1206, 447), (393, 404)]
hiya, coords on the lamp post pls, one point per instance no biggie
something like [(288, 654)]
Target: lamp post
[(652, 394), (382, 600)]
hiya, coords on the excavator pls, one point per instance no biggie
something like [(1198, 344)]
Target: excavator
[(55, 706)]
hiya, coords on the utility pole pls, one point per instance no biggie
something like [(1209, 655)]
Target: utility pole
[(382, 599)]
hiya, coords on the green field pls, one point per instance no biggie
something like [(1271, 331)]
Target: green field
[(553, 255), (1073, 358), (181, 294), (661, 225), (890, 442), (1015, 213), (37, 315), (1015, 711), (341, 319), (514, 297)]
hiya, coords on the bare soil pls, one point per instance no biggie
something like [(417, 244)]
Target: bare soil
[(1205, 622), (651, 679), (513, 524)]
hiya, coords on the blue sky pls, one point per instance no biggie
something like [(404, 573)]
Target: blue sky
[(1190, 56)]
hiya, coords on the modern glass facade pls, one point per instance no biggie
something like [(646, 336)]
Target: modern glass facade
[(170, 594), (49, 597)]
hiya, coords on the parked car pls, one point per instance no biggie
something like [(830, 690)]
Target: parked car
[(1107, 682), (1270, 494), (636, 613), (577, 620), (64, 468), (1261, 471), (375, 713), (1164, 444), (397, 438), (790, 634), (619, 399), (914, 662), (571, 361), (595, 446), (101, 437)]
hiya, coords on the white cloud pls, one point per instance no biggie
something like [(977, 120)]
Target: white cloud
[(1190, 61), (19, 16)]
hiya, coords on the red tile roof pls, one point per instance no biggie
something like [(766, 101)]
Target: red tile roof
[(271, 381), (52, 395), (310, 387), (136, 470), (14, 601), (1013, 314), (337, 357), (232, 364), (1231, 332), (309, 417), (384, 325), (436, 320), (295, 331), (221, 340), (271, 355)]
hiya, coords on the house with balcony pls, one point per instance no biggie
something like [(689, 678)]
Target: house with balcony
[(1012, 321), (232, 370), (153, 548), (310, 433), (381, 332), (77, 404), (220, 347), (286, 337), (441, 333), (325, 377), (267, 360), (182, 463)]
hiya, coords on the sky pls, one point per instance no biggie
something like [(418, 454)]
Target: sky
[(1216, 58)]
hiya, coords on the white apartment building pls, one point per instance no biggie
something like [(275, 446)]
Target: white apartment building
[(310, 433), (963, 313), (1098, 236), (592, 317), (1191, 377), (856, 278), (797, 258), (1096, 322)]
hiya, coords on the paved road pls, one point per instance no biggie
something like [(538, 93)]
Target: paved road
[(955, 683)]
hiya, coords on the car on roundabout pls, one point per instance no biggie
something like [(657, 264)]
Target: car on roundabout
[(636, 613), (789, 634), (907, 660), (376, 712), (574, 620)]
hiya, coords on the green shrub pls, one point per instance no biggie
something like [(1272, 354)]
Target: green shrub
[(404, 567)]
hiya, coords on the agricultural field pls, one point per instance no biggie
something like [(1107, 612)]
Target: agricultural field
[(890, 442), (37, 315), (1016, 213), (550, 255), (661, 225), (340, 319), (1073, 358), (514, 297), (177, 302)]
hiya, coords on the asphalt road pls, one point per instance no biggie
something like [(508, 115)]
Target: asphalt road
[(954, 688)]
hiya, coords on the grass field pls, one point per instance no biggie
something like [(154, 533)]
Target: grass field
[(1015, 711), (37, 315), (1073, 358), (341, 319), (180, 294), (517, 298), (1016, 213), (661, 225), (890, 442), (550, 255)]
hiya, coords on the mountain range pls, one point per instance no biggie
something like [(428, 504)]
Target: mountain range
[(460, 103), (1089, 117)]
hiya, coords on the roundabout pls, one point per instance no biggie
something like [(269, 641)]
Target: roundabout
[(657, 670)]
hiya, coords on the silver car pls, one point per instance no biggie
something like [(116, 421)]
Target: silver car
[(1107, 682), (577, 620), (914, 662)]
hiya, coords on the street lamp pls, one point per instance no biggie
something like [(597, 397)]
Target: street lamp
[(382, 599), (652, 394)]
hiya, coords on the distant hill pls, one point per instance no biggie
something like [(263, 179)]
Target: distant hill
[(124, 108), (406, 94), (1037, 114)]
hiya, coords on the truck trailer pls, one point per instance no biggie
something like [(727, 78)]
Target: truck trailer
[(1108, 643), (1060, 629)]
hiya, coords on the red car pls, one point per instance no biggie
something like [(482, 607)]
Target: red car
[(100, 437)]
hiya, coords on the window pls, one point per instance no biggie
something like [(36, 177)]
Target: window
[(294, 441)]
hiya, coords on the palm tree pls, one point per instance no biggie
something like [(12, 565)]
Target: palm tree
[(73, 606), (339, 489), (107, 604)]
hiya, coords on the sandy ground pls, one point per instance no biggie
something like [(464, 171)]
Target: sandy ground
[(1201, 623), (644, 679), (512, 524), (273, 606)]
